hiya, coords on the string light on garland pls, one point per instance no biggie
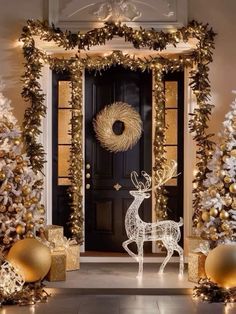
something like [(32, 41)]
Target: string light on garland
[(211, 292), (11, 280), (200, 58), (158, 144), (76, 154)]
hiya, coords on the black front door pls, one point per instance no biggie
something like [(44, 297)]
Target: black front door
[(105, 207)]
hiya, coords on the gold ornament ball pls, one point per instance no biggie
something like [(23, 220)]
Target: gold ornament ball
[(220, 265), (222, 173), (227, 179), (233, 205), (8, 187), (214, 236), (32, 258), (199, 225), (213, 193), (41, 210), (223, 147), (233, 153), (41, 221), (20, 229), (225, 226), (232, 188), (29, 234), (27, 204), (19, 159), (30, 225), (17, 141), (225, 158), (2, 176), (17, 179), (212, 229), (28, 216), (26, 190), (205, 216), (34, 200), (213, 212), (224, 215), (228, 201)]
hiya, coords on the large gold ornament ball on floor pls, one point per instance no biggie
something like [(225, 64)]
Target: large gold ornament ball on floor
[(32, 258), (220, 265)]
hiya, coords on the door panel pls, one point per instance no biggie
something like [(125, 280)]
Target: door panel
[(104, 206)]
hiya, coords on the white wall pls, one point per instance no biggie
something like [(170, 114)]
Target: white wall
[(13, 16), (221, 15)]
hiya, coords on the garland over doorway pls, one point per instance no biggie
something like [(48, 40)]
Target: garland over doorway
[(198, 60)]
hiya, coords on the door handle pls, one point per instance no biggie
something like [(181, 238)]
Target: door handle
[(88, 166), (87, 186)]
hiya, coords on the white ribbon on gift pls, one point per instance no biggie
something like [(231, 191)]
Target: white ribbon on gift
[(203, 248)]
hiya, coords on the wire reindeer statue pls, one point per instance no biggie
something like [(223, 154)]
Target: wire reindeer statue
[(139, 231)]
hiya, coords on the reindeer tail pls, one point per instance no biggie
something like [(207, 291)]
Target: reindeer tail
[(181, 222)]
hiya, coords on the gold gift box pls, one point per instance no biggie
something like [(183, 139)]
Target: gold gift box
[(196, 266), (194, 243), (72, 257), (54, 234), (57, 271)]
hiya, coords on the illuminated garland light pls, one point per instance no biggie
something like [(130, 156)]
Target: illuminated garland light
[(152, 39), (76, 154), (211, 292)]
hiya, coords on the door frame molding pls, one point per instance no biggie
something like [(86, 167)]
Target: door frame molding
[(189, 151)]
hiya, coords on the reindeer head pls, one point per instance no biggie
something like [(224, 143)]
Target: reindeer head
[(142, 187)]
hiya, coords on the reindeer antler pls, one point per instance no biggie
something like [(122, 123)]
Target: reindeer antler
[(165, 174), (139, 184)]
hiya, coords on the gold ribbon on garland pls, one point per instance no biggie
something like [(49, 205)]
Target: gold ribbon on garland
[(200, 57)]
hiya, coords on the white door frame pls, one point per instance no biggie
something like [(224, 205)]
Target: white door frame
[(46, 140)]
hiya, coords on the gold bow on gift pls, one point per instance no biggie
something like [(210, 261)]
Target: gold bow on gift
[(65, 243)]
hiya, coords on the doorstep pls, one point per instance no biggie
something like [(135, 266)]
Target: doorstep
[(120, 278)]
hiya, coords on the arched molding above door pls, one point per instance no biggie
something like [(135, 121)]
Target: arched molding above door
[(84, 15)]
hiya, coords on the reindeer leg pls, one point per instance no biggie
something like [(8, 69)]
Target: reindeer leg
[(140, 259), (181, 259), (170, 252), (125, 246)]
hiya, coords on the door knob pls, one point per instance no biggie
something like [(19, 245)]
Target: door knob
[(88, 166), (88, 175), (87, 186)]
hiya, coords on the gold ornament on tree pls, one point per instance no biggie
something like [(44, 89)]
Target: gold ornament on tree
[(131, 127), (31, 258), (232, 188)]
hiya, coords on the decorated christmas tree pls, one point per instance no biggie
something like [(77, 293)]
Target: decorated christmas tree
[(21, 214), (217, 220)]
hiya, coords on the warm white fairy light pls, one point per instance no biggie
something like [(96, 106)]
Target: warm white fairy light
[(11, 281), (139, 231)]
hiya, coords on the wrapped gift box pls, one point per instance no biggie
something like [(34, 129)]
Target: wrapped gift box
[(194, 243), (54, 234), (57, 271), (72, 257), (196, 266)]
